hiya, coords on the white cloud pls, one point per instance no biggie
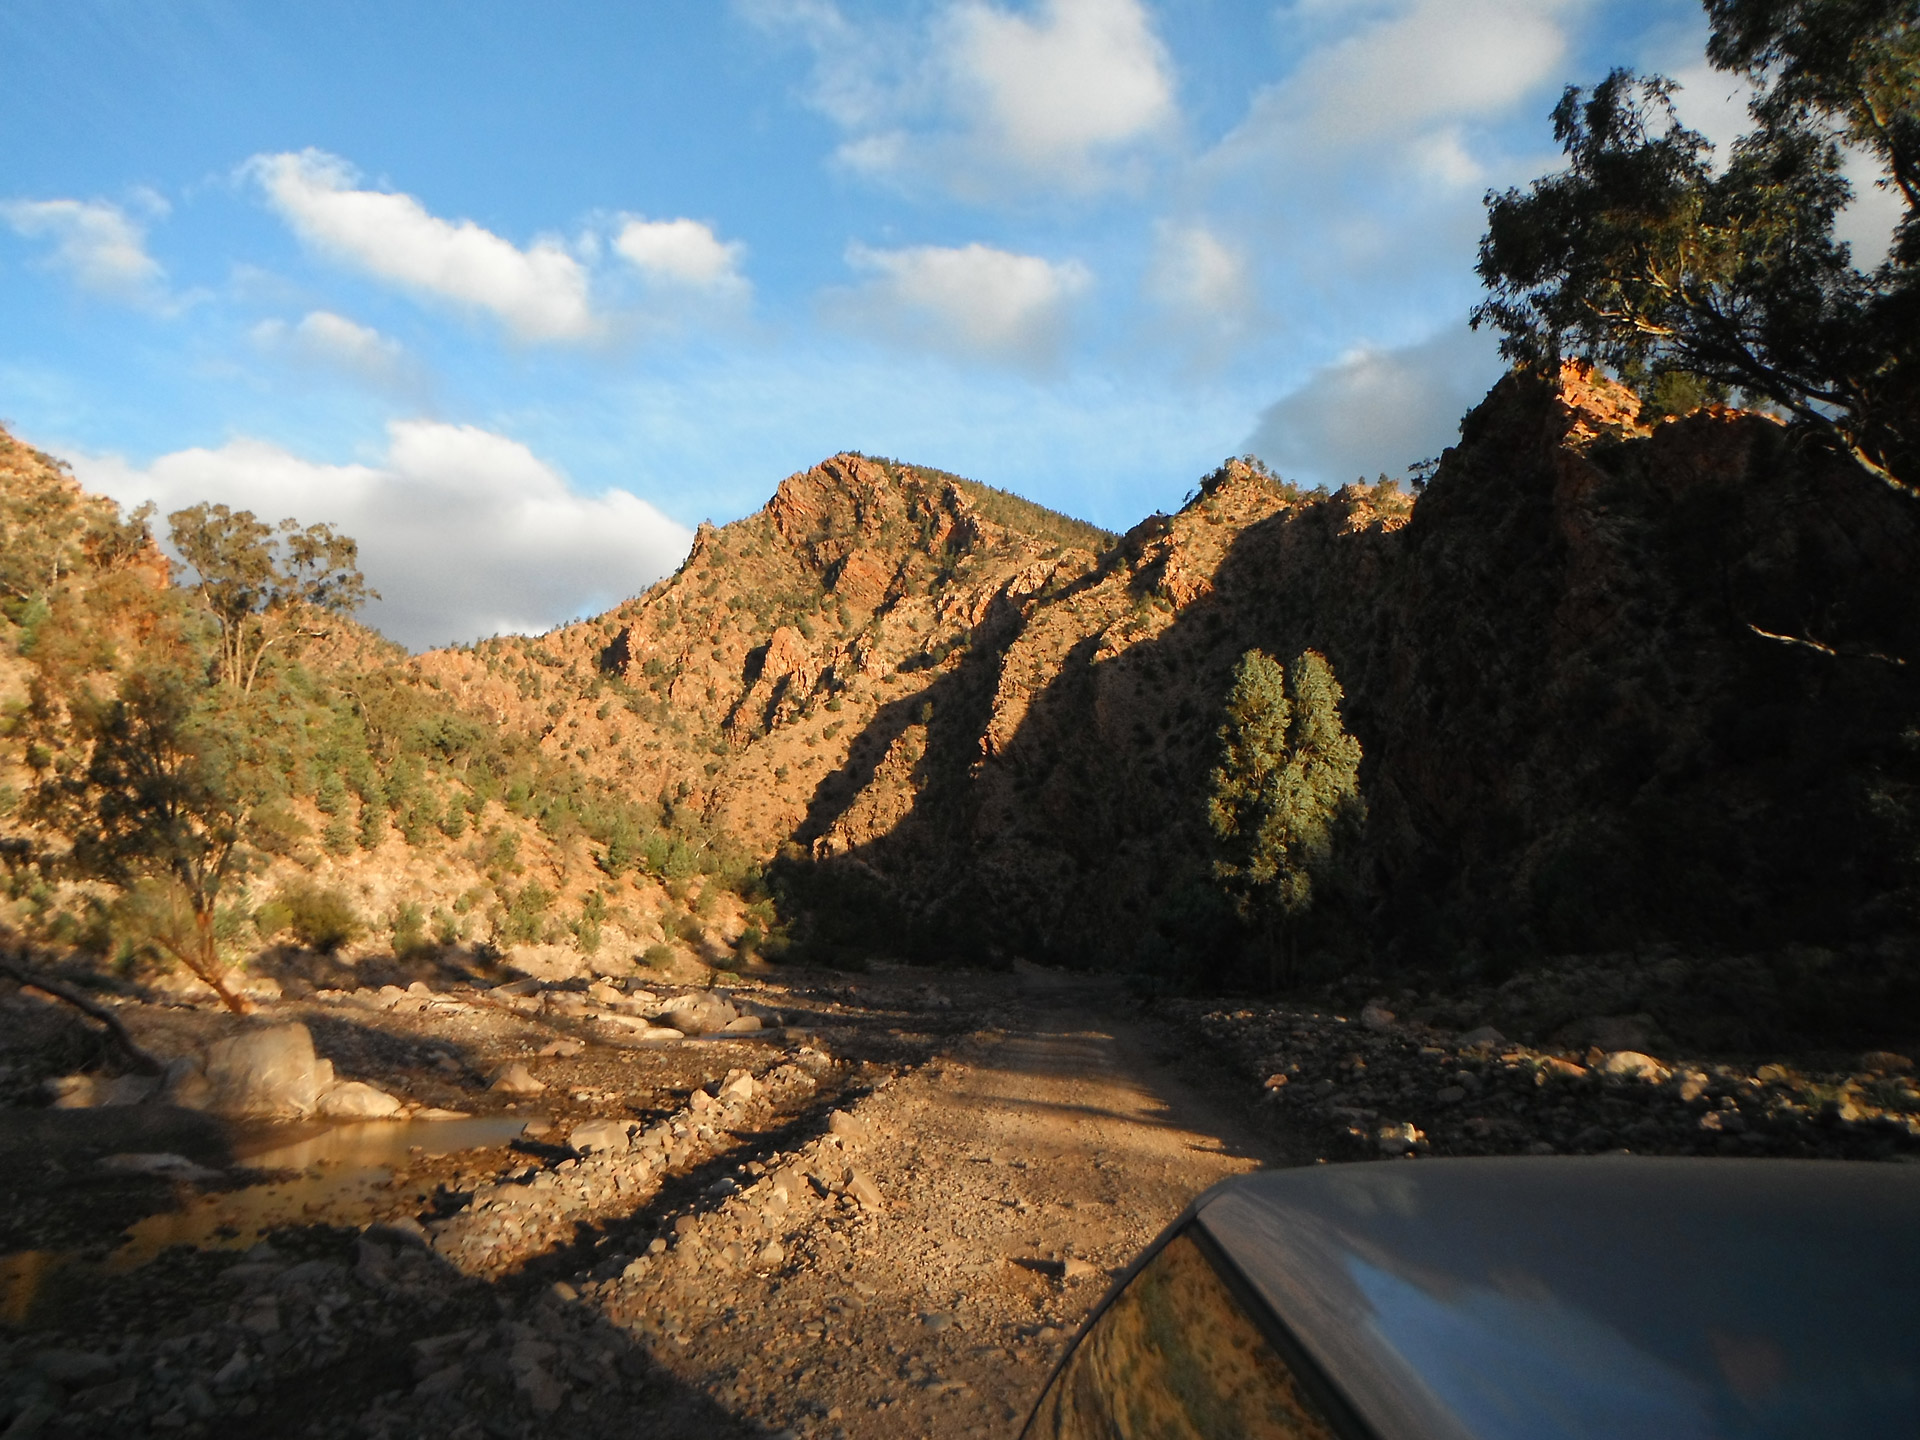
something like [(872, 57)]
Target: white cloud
[(1870, 219), (983, 101), (1378, 411), (332, 340), (464, 532), (539, 292), (97, 243), (684, 252), (1408, 80), (1198, 274), (1053, 89), (969, 300)]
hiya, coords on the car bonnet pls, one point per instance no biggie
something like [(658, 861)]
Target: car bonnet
[(1521, 1299)]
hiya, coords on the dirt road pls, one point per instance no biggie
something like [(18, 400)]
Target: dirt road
[(892, 1230), (1018, 1170)]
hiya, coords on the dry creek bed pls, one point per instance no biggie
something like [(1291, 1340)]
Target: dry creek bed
[(882, 1218)]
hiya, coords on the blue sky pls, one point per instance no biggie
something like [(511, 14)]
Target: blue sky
[(518, 295)]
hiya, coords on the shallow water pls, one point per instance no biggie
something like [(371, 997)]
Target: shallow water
[(341, 1170)]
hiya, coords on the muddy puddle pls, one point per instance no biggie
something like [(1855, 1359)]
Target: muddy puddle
[(339, 1169), (317, 1175)]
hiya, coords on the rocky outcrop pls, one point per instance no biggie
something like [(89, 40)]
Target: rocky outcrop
[(1615, 683)]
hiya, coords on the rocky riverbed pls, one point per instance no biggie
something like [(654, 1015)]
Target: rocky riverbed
[(879, 1210)]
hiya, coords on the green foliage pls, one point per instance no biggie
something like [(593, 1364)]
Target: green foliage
[(1286, 789), (410, 932), (1693, 282), (318, 916), (587, 929), (50, 528), (265, 586), (524, 919), (657, 957), (156, 804)]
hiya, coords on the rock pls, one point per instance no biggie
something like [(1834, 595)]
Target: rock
[(127, 1090), (541, 1391), (1450, 1094), (267, 1071), (1074, 1268), (168, 1166), (605, 1136), (860, 1185), (739, 1086), (1885, 1062), (435, 1112), (744, 1025), (562, 1049), (515, 1079), (1484, 1035), (356, 1100), (403, 1230), (441, 1382), (185, 1084), (1561, 1069), (73, 1367), (769, 1255), (1376, 1018), (1621, 1032), (1632, 1065), (69, 1092), (847, 1127), (113, 1395), (1397, 1139), (700, 1013), (535, 1128)]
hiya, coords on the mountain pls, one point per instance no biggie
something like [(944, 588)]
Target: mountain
[(1617, 685)]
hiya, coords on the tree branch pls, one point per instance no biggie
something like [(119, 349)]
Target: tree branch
[(143, 1060)]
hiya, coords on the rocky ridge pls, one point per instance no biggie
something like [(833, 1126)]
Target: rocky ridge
[(1615, 683)]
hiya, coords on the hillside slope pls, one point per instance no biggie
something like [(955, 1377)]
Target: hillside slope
[(1616, 685)]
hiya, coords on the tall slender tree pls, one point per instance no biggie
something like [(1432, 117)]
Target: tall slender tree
[(1286, 788), (152, 808)]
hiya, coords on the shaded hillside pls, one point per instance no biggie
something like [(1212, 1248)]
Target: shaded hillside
[(1614, 686)]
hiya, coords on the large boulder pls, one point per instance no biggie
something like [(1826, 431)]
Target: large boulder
[(268, 1071), (700, 1013), (356, 1100)]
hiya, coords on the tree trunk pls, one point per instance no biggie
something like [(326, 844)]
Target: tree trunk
[(207, 964)]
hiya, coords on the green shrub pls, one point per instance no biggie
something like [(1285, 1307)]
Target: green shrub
[(657, 957), (319, 917), (338, 837), (524, 919), (410, 931)]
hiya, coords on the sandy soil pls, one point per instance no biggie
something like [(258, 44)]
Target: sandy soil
[(931, 1185)]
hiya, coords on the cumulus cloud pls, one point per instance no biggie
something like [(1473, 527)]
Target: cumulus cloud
[(682, 252), (540, 293), (982, 98), (1053, 89), (969, 300), (98, 244), (1378, 411), (1409, 80), (463, 531), (1201, 276), (324, 338)]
